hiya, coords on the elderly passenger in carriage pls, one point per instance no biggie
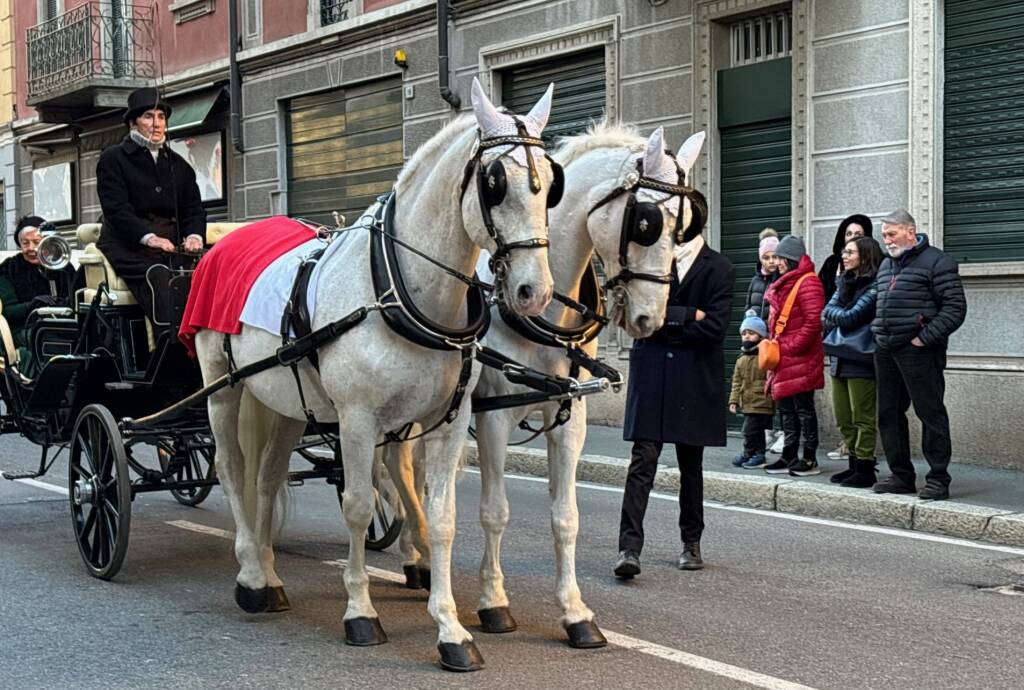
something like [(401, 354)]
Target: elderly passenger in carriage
[(26, 285), (150, 199)]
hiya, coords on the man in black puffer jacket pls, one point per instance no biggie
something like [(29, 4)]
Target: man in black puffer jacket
[(920, 304)]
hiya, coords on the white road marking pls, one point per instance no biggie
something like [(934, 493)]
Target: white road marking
[(874, 529), (625, 641), (44, 485), (201, 529)]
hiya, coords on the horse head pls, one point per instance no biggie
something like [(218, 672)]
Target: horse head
[(638, 221), (507, 189)]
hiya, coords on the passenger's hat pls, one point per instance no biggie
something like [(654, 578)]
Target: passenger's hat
[(791, 247), (141, 100), (27, 222)]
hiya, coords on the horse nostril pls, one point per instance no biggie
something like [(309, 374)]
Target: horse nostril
[(524, 293), (641, 323)]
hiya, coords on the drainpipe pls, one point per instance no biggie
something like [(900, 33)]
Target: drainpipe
[(444, 14), (235, 86)]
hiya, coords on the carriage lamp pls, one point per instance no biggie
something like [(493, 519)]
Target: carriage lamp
[(401, 59)]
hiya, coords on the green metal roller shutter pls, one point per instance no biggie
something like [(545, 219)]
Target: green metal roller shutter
[(344, 149), (984, 130), (579, 90)]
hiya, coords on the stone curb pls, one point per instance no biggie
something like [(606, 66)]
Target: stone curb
[(949, 518)]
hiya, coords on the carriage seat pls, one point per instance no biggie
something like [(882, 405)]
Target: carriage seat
[(98, 269), (7, 342)]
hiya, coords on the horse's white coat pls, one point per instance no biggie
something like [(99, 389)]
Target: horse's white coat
[(370, 379), (595, 163)]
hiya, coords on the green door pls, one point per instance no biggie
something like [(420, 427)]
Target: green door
[(344, 149), (756, 164), (579, 90), (983, 120)]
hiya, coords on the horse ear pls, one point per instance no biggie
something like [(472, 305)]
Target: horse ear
[(540, 112), (689, 151), (487, 116), (654, 154)]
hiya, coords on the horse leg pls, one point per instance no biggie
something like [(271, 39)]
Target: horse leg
[(443, 452), (358, 434), (413, 540), (492, 432), (283, 434), (565, 443), (251, 591)]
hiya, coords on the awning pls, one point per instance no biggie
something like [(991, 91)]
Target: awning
[(51, 136), (192, 110)]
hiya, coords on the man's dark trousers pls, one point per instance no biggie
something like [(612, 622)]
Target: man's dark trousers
[(640, 481), (913, 375)]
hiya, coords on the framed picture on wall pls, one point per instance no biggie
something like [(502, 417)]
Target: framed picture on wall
[(52, 192), (205, 153)]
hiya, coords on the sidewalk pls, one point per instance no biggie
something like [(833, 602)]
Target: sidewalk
[(986, 504)]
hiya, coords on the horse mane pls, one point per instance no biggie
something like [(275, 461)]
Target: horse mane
[(427, 155), (599, 135)]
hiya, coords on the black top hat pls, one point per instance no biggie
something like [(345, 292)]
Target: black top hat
[(141, 100)]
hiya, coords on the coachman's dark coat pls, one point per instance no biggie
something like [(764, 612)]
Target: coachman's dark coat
[(677, 376), (139, 196)]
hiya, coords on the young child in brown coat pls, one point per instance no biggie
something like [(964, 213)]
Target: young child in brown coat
[(748, 395)]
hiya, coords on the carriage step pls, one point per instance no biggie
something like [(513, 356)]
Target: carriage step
[(13, 476)]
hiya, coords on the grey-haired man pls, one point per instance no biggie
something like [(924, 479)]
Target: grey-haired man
[(920, 304)]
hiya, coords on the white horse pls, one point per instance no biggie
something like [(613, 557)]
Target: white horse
[(371, 380), (596, 164)]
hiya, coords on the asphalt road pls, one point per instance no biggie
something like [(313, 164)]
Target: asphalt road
[(784, 603)]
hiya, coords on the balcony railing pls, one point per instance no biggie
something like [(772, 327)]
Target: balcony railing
[(91, 43), (334, 11)]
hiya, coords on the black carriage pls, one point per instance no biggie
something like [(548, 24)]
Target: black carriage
[(103, 364)]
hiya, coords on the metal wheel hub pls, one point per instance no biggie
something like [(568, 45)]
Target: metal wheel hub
[(85, 492)]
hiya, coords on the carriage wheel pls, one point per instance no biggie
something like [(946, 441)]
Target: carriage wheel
[(198, 465), (100, 491), (386, 524)]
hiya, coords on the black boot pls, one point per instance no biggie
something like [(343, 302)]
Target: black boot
[(863, 476), (845, 474)]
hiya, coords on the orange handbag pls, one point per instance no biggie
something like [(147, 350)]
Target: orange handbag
[(768, 351)]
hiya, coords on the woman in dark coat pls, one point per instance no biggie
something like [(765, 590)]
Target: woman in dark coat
[(150, 200), (851, 309), (677, 395)]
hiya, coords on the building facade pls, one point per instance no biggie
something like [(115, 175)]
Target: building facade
[(815, 109), (8, 146)]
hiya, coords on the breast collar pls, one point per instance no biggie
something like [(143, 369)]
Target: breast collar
[(538, 330), (398, 309)]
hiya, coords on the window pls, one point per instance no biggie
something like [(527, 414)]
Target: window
[(334, 11), (761, 38), (205, 153), (52, 193)]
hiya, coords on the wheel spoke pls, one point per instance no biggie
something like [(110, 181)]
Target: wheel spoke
[(111, 526), (77, 469), (86, 449), (87, 523), (111, 509), (94, 551)]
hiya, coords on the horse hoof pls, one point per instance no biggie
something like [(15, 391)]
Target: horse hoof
[(364, 632), (460, 657), (496, 620), (252, 600), (412, 577), (585, 635), (278, 601), (424, 575)]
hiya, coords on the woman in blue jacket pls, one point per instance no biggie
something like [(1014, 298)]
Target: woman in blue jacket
[(851, 310)]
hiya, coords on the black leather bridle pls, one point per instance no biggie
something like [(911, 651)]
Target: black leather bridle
[(631, 220), (491, 186)]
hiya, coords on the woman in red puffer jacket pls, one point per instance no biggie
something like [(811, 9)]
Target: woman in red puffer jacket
[(801, 368)]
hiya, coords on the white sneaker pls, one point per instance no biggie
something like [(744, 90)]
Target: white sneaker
[(780, 442), (840, 453)]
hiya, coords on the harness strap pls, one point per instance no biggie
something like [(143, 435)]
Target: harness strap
[(401, 435)]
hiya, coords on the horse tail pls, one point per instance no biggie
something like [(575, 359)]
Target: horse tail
[(254, 424)]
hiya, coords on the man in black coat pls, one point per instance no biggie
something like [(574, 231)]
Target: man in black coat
[(677, 395), (920, 304), (150, 200)]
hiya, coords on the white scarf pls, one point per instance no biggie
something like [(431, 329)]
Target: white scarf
[(138, 138), (686, 255)]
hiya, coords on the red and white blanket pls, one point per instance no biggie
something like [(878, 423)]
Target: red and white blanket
[(226, 274)]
